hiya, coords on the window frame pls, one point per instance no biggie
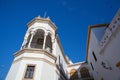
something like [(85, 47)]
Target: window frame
[(26, 70)]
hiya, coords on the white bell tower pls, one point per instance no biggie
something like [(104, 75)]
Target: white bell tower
[(37, 56)]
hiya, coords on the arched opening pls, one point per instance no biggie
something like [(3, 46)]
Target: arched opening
[(48, 44), (84, 73), (38, 39), (73, 74)]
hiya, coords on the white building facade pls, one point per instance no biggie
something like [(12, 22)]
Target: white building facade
[(41, 56), (103, 50)]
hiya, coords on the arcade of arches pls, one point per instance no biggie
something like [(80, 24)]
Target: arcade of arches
[(84, 74), (39, 40)]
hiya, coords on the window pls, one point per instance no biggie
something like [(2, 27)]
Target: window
[(92, 66), (74, 74), (84, 73), (94, 56), (29, 72)]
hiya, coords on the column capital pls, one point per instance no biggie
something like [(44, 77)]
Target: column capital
[(32, 32), (46, 33)]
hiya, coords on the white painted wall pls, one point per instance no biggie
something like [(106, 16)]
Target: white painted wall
[(99, 32), (15, 67), (109, 54), (48, 72), (62, 60), (43, 70), (94, 46)]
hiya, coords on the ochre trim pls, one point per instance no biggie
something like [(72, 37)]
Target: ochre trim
[(89, 35), (33, 50), (118, 64)]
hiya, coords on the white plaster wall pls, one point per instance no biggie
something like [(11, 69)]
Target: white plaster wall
[(37, 72), (111, 54), (62, 60), (94, 46), (15, 67), (18, 67), (48, 72), (99, 32), (18, 70), (43, 70)]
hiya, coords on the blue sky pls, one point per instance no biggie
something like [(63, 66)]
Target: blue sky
[(72, 18)]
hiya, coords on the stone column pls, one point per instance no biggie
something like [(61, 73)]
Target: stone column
[(53, 44), (45, 35), (32, 34), (25, 41)]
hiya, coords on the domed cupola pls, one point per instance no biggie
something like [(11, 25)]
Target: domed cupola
[(40, 34)]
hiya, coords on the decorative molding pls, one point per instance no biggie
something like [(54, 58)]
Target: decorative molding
[(35, 51), (37, 59), (43, 20)]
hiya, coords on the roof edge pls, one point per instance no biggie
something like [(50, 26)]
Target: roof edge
[(44, 20)]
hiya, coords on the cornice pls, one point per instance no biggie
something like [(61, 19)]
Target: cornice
[(43, 20), (36, 51), (31, 58)]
